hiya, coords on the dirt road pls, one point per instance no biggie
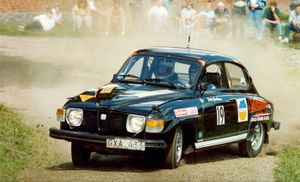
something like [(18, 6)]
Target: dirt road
[(38, 74)]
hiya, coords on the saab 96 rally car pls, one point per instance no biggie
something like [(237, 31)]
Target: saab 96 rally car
[(168, 100)]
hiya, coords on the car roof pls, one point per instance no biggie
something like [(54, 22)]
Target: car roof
[(187, 53)]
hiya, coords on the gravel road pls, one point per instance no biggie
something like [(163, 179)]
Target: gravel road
[(38, 74)]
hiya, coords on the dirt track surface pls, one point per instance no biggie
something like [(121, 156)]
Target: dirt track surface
[(38, 74)]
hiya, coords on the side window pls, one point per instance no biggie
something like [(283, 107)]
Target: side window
[(214, 76), (236, 77)]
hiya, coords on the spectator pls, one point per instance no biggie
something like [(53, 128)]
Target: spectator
[(168, 5), (57, 13), (137, 15), (206, 17), (255, 18), (221, 19), (187, 17), (238, 18), (294, 23), (116, 18), (82, 13), (271, 18), (44, 22), (92, 6), (157, 17)]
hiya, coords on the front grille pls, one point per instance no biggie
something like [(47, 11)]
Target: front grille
[(89, 122), (115, 123)]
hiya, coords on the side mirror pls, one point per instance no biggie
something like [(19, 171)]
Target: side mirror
[(203, 86), (115, 77)]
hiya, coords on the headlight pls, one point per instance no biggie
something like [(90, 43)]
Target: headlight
[(135, 123), (154, 125), (74, 116)]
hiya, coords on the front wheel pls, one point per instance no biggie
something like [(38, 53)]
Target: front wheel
[(253, 145), (175, 152), (80, 155)]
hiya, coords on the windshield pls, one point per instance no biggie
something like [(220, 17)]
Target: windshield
[(163, 71)]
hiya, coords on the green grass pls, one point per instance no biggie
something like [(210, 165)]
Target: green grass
[(288, 168), (65, 30), (17, 143)]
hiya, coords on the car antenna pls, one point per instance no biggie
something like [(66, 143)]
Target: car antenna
[(189, 42)]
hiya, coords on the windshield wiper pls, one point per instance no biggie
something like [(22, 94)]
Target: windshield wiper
[(131, 76), (161, 82)]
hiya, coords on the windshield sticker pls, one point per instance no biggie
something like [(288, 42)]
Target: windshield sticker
[(260, 117), (85, 97), (190, 111), (242, 110), (257, 105), (214, 99)]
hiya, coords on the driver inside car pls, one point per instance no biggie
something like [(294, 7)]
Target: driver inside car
[(165, 71)]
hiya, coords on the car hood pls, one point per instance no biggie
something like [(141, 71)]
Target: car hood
[(130, 98)]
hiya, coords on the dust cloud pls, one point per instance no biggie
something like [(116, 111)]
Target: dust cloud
[(38, 74)]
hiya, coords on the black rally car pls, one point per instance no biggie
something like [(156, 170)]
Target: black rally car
[(168, 100)]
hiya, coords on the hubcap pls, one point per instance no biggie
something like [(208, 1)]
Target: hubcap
[(257, 137), (179, 143)]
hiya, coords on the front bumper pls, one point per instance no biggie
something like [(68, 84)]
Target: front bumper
[(80, 136), (275, 125)]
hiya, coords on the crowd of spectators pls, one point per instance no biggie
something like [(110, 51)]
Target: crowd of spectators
[(245, 19)]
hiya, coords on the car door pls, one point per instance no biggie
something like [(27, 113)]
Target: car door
[(219, 108), (238, 82)]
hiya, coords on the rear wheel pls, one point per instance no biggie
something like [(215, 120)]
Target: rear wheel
[(253, 145), (175, 152), (80, 155)]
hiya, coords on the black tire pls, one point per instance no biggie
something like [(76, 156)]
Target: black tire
[(254, 143), (175, 151), (80, 155)]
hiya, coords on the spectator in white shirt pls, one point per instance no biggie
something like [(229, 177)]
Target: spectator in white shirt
[(187, 18), (157, 17), (206, 17), (44, 22)]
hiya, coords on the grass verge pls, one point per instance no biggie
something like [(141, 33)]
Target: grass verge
[(288, 168), (17, 143)]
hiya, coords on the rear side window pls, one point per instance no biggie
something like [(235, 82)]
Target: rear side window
[(236, 77), (214, 76)]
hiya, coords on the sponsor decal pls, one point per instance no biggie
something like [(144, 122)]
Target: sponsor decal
[(260, 117), (257, 105), (190, 111), (220, 115), (242, 110), (84, 98), (214, 99), (201, 100)]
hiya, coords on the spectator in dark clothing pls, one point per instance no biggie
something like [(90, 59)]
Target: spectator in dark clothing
[(221, 19), (238, 18), (271, 18)]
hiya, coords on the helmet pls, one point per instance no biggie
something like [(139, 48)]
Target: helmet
[(165, 69)]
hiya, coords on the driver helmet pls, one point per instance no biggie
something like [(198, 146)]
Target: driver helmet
[(165, 69)]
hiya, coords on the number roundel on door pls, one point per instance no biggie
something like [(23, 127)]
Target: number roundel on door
[(220, 115)]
